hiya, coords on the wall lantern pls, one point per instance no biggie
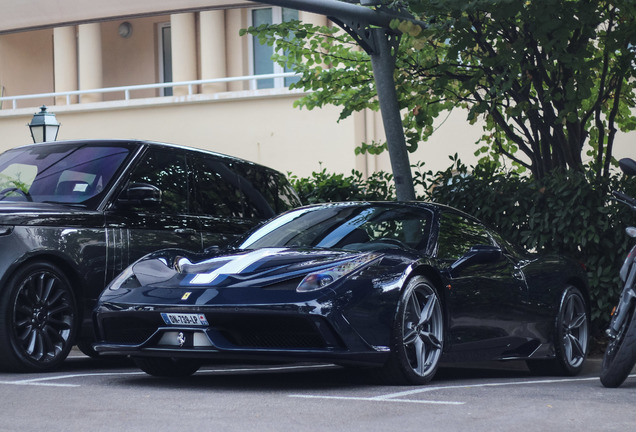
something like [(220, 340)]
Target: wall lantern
[(44, 126), (125, 29)]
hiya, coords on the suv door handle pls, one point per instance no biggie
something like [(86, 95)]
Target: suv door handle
[(185, 231)]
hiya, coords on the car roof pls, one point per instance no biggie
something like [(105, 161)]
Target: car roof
[(146, 143)]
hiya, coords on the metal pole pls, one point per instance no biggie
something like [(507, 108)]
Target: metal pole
[(383, 62), (342, 10), (371, 29)]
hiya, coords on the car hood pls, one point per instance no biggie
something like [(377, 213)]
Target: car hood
[(34, 213), (262, 267)]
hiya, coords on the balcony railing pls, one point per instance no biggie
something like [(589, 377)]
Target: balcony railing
[(252, 79)]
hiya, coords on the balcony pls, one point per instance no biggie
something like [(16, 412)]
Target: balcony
[(189, 91)]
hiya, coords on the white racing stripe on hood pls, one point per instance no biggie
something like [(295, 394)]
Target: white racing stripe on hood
[(235, 266)]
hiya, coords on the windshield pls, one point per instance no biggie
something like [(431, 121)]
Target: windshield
[(354, 227), (64, 173)]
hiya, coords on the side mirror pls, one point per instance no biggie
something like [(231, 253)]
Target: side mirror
[(628, 166), (479, 254), (140, 195)]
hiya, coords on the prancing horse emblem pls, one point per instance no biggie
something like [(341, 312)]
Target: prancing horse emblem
[(181, 339)]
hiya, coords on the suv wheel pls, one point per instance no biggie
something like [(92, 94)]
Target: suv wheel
[(38, 318)]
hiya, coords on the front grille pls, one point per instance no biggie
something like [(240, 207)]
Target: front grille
[(123, 330), (271, 332)]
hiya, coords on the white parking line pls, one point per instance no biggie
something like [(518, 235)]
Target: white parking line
[(36, 384), (378, 399), (395, 397), (45, 381), (468, 386)]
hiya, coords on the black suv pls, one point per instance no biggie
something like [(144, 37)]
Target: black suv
[(74, 214)]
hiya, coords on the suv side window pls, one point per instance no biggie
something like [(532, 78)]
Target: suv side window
[(168, 171), (268, 190), (218, 190), (457, 234)]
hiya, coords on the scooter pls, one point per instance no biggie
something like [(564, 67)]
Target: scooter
[(620, 354)]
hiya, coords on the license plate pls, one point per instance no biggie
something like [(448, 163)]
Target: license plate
[(185, 319)]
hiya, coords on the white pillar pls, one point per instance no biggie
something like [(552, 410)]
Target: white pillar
[(65, 62), (184, 50), (90, 61), (212, 49), (236, 48)]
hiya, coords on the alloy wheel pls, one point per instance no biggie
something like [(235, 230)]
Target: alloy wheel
[(422, 329), (43, 317)]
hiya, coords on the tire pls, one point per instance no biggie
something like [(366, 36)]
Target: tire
[(417, 338), (39, 319), (620, 354), (167, 366), (87, 349), (570, 337)]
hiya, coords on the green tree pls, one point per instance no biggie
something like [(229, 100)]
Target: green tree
[(553, 80)]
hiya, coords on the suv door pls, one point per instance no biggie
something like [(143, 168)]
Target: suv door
[(140, 222)]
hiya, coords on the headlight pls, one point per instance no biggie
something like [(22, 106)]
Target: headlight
[(321, 279), (126, 279)]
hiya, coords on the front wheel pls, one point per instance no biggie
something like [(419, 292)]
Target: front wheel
[(620, 354), (167, 366), (38, 318), (417, 336)]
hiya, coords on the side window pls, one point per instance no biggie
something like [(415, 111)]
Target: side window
[(218, 190), (457, 234), (266, 190), (167, 171), (409, 226)]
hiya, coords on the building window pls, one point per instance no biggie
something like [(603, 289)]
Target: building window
[(165, 57), (261, 57)]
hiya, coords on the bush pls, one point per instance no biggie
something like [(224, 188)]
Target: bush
[(568, 213), (324, 187)]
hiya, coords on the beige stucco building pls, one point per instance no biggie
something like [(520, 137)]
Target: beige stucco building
[(101, 70)]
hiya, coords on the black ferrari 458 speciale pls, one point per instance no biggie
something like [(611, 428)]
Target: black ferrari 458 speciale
[(398, 287)]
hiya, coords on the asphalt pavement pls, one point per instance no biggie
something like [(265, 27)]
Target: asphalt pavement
[(112, 395)]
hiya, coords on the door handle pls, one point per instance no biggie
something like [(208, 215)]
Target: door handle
[(185, 231)]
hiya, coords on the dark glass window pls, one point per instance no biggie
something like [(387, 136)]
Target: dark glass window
[(342, 226), (166, 170), (64, 173), (218, 190), (457, 234), (228, 188), (265, 189)]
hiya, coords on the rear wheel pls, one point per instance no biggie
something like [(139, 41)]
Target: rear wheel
[(38, 321), (620, 354), (570, 337), (167, 366), (418, 334)]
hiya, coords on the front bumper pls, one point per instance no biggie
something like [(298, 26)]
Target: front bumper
[(234, 333)]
